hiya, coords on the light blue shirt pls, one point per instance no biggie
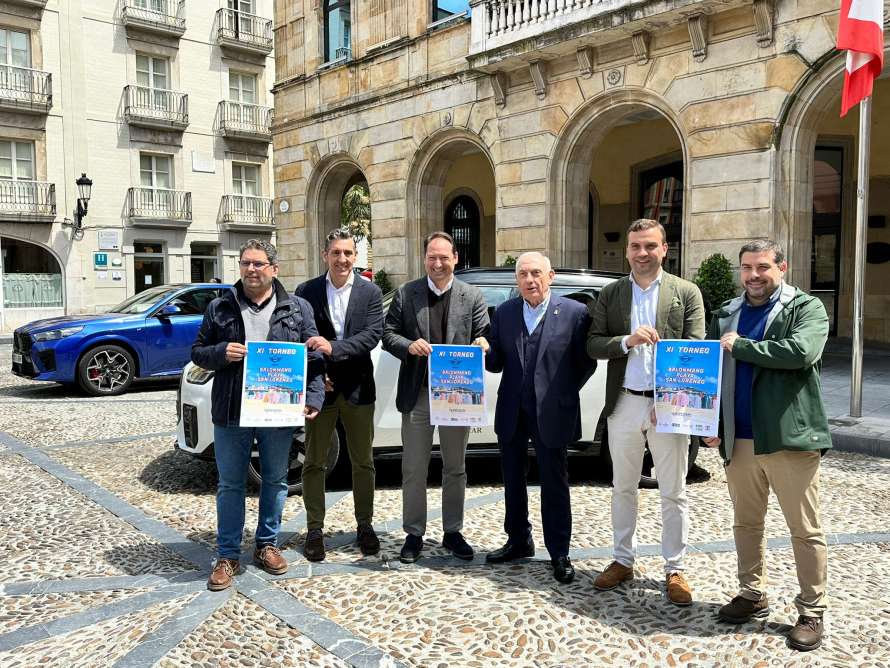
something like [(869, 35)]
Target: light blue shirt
[(641, 359), (533, 315)]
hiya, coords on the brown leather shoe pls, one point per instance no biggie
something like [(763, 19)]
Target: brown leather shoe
[(613, 576), (806, 634), (270, 559), (740, 610), (313, 550), (678, 590), (222, 575), (367, 540)]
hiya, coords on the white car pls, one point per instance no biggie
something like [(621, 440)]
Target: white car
[(195, 428)]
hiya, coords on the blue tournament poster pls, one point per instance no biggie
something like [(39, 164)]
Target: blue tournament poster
[(273, 393), (457, 386), (687, 386)]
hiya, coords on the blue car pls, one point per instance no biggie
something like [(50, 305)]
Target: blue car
[(149, 335)]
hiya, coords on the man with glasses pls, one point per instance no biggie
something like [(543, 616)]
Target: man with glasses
[(349, 318), (257, 308), (437, 308)]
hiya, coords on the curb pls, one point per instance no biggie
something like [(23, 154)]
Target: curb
[(873, 446)]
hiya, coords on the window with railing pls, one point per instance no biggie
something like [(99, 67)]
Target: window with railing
[(337, 30), (245, 27), (165, 12), (245, 118), (19, 192)]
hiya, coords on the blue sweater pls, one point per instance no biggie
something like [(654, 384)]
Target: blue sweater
[(752, 324)]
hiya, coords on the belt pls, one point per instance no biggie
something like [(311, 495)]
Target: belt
[(639, 393)]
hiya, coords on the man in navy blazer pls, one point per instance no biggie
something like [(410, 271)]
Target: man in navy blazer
[(349, 317), (538, 342)]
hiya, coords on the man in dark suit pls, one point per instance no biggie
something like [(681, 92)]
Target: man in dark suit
[(537, 341), (435, 309), (349, 317)]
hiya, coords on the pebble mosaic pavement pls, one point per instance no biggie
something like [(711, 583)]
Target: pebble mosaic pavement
[(106, 536)]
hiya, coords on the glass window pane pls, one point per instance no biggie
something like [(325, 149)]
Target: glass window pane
[(445, 8), (5, 168), (6, 149)]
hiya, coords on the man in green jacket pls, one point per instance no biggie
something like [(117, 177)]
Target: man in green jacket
[(773, 431)]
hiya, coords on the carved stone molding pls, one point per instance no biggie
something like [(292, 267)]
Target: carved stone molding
[(499, 86), (764, 13), (538, 69), (585, 61), (698, 35), (641, 46)]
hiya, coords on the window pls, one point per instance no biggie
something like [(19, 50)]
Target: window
[(337, 29), (242, 87), (15, 48), (32, 277), (156, 177), (245, 182), (16, 160), (158, 6), (462, 223), (445, 9), (204, 262), (245, 10), (148, 264), (196, 301), (153, 79)]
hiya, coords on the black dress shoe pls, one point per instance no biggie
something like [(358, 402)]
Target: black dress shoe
[(367, 539), (511, 552), (563, 570), (455, 542), (411, 549)]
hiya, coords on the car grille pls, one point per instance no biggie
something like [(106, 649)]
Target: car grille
[(190, 425), (21, 344)]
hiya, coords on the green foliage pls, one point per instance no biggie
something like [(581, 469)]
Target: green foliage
[(509, 261), (355, 212), (714, 279), (381, 278)]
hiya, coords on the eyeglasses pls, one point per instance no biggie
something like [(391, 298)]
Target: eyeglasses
[(247, 264)]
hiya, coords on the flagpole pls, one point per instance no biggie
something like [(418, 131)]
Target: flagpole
[(859, 261)]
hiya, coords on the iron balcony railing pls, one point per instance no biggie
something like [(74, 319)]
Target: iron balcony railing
[(164, 15), (23, 87), (159, 204), (238, 119), (156, 106), (236, 28), (342, 52), (27, 199), (247, 210)]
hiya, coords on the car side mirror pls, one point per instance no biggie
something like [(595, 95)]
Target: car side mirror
[(168, 310)]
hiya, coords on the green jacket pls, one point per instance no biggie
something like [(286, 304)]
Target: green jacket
[(680, 315), (786, 395)]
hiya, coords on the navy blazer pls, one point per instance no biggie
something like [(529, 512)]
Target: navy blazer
[(349, 365), (563, 367)]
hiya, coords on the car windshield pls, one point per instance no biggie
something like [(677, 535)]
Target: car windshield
[(143, 301)]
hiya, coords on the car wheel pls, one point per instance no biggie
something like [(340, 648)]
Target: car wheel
[(106, 371), (295, 463), (647, 480)]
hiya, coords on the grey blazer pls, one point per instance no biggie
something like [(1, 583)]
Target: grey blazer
[(408, 319)]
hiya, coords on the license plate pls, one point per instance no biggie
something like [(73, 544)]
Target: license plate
[(16, 358)]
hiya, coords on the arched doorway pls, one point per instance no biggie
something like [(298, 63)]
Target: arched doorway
[(451, 186), (628, 148), (31, 282)]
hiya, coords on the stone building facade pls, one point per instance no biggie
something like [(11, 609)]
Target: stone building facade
[(550, 124), (165, 105)]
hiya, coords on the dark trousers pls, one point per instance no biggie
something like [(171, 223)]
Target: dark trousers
[(556, 506)]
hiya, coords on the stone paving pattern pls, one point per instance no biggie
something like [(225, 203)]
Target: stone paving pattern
[(82, 586)]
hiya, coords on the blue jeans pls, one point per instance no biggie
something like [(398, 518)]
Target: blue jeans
[(232, 446)]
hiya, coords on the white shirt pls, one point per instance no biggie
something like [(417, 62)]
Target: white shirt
[(437, 291), (640, 359), (534, 314), (338, 301)]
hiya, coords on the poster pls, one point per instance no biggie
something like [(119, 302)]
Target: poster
[(687, 386), (457, 386), (273, 393)]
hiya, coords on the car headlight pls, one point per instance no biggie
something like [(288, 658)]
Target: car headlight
[(55, 334), (198, 376)]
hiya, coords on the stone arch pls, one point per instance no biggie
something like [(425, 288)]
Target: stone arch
[(426, 181), (50, 253), (568, 183), (329, 180)]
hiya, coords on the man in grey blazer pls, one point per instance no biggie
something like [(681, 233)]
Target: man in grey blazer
[(435, 309)]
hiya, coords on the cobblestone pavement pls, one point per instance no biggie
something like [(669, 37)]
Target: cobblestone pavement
[(106, 536)]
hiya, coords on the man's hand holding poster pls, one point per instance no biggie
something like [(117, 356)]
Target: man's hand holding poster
[(457, 386), (273, 393), (687, 386)]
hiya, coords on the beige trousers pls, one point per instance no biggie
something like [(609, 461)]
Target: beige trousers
[(794, 477)]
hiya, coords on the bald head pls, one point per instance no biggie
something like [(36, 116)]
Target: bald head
[(534, 276)]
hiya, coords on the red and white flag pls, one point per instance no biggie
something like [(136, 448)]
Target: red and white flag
[(861, 33)]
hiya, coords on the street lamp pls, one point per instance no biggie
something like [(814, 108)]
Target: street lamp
[(84, 189)]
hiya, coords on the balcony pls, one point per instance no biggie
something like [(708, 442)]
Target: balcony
[(27, 201), (243, 213), (506, 34), (160, 17), (247, 33), (25, 90), (155, 108), (38, 4), (245, 121), (159, 207)]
